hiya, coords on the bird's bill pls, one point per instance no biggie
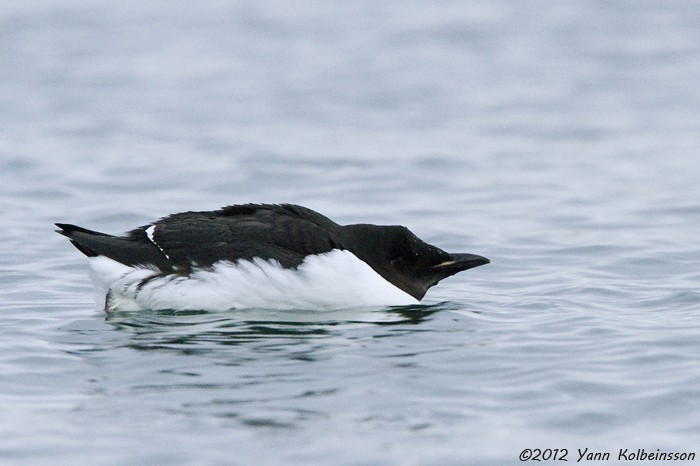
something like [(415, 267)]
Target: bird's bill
[(459, 262)]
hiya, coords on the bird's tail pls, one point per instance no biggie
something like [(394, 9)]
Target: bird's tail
[(127, 250), (81, 238)]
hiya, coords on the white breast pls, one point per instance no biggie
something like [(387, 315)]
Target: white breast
[(334, 280)]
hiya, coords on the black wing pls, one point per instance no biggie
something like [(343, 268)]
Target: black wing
[(287, 233)]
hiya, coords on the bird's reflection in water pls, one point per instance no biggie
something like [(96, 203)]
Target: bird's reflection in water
[(197, 331)]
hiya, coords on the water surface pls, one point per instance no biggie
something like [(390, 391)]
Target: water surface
[(559, 140)]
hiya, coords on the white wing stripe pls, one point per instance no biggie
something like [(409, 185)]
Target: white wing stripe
[(149, 232)]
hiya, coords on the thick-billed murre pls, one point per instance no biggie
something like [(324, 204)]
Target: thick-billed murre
[(262, 255)]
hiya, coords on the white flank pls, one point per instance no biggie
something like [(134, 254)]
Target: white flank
[(334, 280)]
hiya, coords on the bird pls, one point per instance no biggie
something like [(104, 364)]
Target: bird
[(273, 256)]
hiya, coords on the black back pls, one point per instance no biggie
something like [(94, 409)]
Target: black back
[(286, 233)]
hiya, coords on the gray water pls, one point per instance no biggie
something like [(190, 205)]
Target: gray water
[(559, 139)]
